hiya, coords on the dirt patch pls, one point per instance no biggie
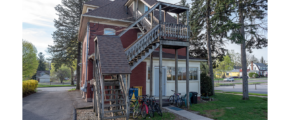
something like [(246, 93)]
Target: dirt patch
[(86, 114), (214, 113), (27, 94)]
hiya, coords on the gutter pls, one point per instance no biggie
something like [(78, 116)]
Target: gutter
[(84, 87)]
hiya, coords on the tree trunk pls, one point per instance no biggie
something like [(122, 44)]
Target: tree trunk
[(208, 44), (72, 75), (243, 53), (79, 51)]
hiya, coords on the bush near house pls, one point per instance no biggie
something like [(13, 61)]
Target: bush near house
[(253, 75), (205, 85), (29, 86)]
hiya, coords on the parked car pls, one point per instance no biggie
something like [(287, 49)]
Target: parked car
[(230, 79)]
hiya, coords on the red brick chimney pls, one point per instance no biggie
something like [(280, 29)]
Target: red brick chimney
[(251, 65)]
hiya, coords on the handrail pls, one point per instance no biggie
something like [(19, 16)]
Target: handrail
[(140, 44), (139, 19)]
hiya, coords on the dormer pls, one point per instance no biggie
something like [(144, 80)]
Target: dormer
[(87, 8)]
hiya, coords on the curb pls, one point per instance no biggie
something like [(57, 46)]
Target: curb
[(75, 114)]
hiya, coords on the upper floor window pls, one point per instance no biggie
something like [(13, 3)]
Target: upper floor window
[(109, 31), (89, 9)]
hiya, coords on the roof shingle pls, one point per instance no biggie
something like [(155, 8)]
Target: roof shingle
[(112, 56)]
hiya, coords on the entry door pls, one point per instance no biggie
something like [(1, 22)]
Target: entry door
[(156, 81)]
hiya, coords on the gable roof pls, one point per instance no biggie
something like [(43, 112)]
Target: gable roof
[(112, 56), (150, 2), (39, 72), (237, 67), (261, 64), (113, 9), (98, 2)]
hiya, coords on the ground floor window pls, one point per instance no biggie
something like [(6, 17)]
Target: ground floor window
[(193, 73)]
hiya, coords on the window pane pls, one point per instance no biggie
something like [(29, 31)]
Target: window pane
[(169, 73), (109, 32), (173, 73)]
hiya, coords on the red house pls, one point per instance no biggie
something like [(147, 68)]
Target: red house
[(122, 41)]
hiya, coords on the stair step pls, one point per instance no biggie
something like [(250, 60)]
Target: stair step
[(108, 105), (111, 89), (113, 99), (113, 111), (122, 116), (111, 83), (112, 94)]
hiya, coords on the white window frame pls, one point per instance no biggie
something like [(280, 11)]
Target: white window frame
[(90, 9), (109, 29)]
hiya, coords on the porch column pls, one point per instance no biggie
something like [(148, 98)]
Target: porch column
[(160, 76), (127, 96), (137, 4), (177, 16), (151, 74), (176, 70), (187, 65), (164, 16)]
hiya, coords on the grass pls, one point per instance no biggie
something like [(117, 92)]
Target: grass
[(249, 93), (72, 89), (41, 85), (232, 107)]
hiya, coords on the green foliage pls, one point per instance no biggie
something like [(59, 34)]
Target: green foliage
[(41, 62), (224, 66), (205, 85), (253, 75), (61, 73), (29, 60)]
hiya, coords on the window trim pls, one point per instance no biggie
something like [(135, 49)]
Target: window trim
[(109, 29), (90, 9)]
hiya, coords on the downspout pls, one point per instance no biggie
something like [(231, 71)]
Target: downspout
[(84, 88)]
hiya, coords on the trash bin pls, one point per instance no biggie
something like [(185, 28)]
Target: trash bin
[(194, 98), (185, 101)]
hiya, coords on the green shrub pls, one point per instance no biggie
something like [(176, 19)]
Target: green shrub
[(251, 74), (256, 75), (205, 85)]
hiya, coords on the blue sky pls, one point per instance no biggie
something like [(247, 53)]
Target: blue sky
[(37, 25)]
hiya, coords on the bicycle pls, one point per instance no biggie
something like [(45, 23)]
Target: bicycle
[(175, 99), (146, 108), (136, 107), (155, 105)]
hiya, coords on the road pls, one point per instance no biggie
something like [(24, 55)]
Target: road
[(240, 81), (262, 88), (52, 103)]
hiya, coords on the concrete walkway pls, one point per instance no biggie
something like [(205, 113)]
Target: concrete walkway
[(186, 114)]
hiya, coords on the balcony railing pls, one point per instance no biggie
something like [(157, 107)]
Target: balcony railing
[(174, 30)]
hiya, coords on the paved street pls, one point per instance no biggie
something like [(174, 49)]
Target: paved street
[(262, 88), (240, 81), (51, 103)]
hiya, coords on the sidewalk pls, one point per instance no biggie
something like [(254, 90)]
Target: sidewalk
[(186, 114)]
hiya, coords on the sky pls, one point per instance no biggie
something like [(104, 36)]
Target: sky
[(38, 26)]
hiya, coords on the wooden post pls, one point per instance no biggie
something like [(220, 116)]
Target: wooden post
[(160, 76), (127, 97), (176, 70), (164, 19), (187, 67), (255, 87), (151, 74), (151, 19), (137, 9), (177, 17)]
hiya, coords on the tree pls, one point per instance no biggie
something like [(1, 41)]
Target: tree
[(262, 60), (182, 18), (248, 18), (254, 59), (235, 57), (224, 66), (62, 73), (29, 60), (66, 47), (42, 62)]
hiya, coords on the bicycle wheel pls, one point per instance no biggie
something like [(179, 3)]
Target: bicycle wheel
[(136, 110), (143, 112), (157, 107), (151, 113), (171, 99), (179, 103)]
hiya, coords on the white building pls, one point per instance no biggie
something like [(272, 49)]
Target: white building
[(43, 76), (259, 68)]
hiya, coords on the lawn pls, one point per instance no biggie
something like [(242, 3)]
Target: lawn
[(232, 107), (41, 85)]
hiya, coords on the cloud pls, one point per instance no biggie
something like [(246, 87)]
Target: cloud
[(39, 37), (39, 12)]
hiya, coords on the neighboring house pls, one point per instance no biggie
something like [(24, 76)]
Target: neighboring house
[(43, 76), (122, 39), (259, 68), (233, 73)]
